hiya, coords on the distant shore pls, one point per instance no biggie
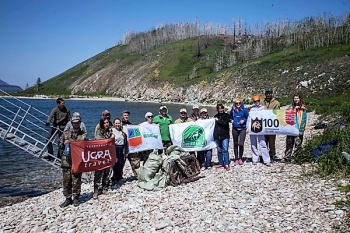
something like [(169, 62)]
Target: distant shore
[(118, 99)]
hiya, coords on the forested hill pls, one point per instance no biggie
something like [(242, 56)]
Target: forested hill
[(190, 62)]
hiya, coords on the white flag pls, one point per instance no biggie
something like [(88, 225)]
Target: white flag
[(143, 137), (193, 136)]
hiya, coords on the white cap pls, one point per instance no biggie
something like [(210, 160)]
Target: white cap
[(148, 114), (204, 110), (163, 108), (183, 110), (195, 106)]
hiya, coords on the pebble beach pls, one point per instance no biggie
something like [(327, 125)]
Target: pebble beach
[(248, 198)]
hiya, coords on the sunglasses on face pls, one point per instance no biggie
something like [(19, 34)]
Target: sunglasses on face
[(256, 101), (238, 103), (183, 112), (149, 116)]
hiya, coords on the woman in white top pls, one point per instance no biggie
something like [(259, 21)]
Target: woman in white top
[(120, 142)]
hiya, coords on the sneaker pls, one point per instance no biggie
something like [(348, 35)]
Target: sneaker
[(268, 164), (255, 163), (237, 162), (76, 202), (95, 196), (66, 203), (240, 162), (203, 168), (227, 167), (218, 166)]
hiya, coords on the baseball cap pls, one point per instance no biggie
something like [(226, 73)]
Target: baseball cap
[(76, 118), (183, 110), (256, 97), (126, 111), (163, 108), (195, 106), (269, 89), (204, 110), (148, 114)]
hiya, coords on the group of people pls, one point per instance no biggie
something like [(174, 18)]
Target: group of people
[(73, 129)]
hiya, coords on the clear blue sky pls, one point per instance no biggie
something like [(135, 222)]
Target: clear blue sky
[(43, 38)]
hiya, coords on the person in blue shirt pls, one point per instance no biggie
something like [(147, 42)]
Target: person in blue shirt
[(238, 117)]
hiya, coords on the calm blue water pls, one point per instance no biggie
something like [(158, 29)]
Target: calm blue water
[(23, 176)]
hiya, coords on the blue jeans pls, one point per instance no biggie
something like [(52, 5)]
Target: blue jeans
[(223, 156), (204, 157)]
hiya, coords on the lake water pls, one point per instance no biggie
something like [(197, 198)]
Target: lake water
[(23, 176)]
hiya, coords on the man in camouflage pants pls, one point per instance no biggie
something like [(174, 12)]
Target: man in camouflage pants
[(71, 181)]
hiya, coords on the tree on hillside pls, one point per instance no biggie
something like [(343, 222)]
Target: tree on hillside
[(38, 85)]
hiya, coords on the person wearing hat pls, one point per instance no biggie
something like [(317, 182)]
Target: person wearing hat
[(106, 115), (271, 103), (71, 181), (258, 139), (183, 117), (238, 117), (148, 121), (164, 120), (69, 124), (205, 156), (195, 112), (60, 115)]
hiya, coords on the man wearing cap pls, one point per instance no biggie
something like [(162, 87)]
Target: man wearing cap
[(70, 126), (164, 120), (205, 156), (71, 181), (183, 117), (271, 103), (149, 121), (195, 112), (60, 116)]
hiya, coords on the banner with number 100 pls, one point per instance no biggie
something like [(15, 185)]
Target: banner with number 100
[(270, 122)]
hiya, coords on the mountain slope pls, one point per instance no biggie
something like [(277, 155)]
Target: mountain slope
[(184, 71)]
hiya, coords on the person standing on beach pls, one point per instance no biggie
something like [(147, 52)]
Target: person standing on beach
[(101, 176), (71, 181), (204, 157), (222, 136), (60, 116), (238, 117), (120, 143), (258, 139), (301, 120), (148, 121), (164, 120), (133, 158), (271, 103)]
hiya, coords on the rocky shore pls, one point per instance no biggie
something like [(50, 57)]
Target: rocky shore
[(247, 198)]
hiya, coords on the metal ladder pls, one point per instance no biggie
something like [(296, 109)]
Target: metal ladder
[(21, 125)]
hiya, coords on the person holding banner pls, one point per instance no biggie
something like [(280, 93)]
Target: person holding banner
[(258, 139), (120, 144), (101, 176), (195, 113), (238, 117), (271, 103), (183, 117), (71, 181), (204, 157), (106, 115), (149, 121), (164, 120), (222, 136), (301, 119)]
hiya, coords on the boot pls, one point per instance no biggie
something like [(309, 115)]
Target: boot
[(66, 203), (95, 195), (76, 201)]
